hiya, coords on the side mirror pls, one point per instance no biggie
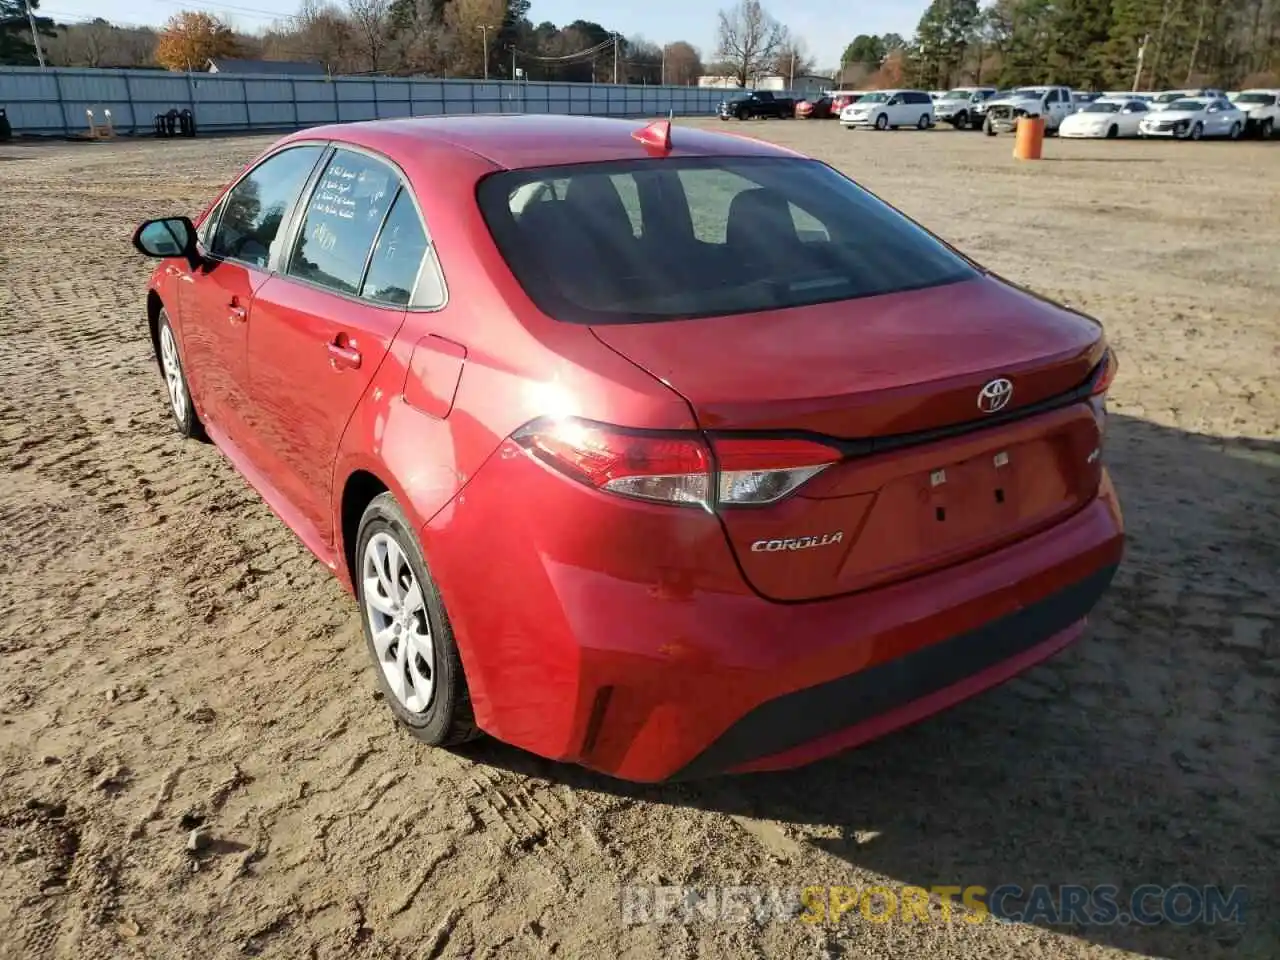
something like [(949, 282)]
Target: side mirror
[(170, 237)]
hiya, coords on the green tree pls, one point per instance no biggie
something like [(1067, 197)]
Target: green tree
[(1079, 30), (866, 50), (16, 48), (942, 40)]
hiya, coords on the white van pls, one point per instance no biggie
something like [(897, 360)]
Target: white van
[(890, 109)]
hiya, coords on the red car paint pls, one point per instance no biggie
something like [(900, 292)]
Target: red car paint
[(651, 640)]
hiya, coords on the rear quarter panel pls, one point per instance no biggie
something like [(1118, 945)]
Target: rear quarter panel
[(517, 364)]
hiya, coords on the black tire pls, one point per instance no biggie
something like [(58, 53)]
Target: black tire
[(882, 122), (1265, 129), (989, 128), (187, 421), (923, 122), (961, 121), (1197, 131), (1235, 131), (1112, 132), (448, 719)]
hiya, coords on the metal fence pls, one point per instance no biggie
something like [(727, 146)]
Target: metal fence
[(54, 101)]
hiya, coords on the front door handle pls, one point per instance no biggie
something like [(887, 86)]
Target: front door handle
[(343, 354)]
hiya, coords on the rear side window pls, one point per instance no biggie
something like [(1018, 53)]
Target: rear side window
[(666, 238), (342, 220), (397, 258)]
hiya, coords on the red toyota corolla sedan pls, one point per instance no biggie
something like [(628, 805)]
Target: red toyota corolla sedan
[(660, 451)]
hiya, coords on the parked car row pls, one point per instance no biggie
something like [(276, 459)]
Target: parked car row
[(1180, 114)]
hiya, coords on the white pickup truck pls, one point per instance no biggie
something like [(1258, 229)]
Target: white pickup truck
[(1261, 109), (1055, 104)]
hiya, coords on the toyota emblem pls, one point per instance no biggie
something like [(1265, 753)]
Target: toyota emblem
[(995, 396)]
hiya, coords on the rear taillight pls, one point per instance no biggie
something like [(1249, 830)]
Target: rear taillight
[(1106, 374), (676, 468), (755, 471)]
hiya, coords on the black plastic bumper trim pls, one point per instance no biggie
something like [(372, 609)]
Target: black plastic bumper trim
[(797, 718)]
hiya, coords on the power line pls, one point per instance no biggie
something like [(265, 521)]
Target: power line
[(581, 54)]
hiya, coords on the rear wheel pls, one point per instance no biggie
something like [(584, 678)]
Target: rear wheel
[(1235, 131), (1264, 130), (1112, 132), (407, 631), (923, 122), (1197, 131), (882, 122)]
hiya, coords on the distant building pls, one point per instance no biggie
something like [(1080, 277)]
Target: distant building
[(278, 67), (802, 85)]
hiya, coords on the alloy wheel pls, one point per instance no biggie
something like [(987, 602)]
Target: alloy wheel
[(398, 622), (172, 370)]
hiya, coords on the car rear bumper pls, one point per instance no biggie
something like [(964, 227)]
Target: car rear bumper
[(689, 676)]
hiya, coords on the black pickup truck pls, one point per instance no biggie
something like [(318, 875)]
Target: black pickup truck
[(758, 103)]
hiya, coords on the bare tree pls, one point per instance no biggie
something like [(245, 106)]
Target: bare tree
[(371, 21), (749, 40), (792, 60), (683, 64), (320, 32)]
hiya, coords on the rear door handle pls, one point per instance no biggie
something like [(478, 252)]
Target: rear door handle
[(343, 354)]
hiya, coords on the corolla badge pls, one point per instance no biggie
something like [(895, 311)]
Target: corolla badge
[(797, 543), (995, 396)]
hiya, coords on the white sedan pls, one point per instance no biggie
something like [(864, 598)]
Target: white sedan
[(1108, 117), (1194, 117)]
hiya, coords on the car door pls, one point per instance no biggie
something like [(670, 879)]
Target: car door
[(1131, 115), (216, 305), (901, 110), (1055, 108), (323, 324)]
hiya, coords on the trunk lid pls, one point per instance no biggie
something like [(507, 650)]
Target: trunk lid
[(927, 477)]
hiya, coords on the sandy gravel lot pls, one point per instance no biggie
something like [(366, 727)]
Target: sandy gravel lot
[(171, 656)]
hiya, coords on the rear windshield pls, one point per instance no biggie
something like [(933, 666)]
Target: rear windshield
[(659, 239)]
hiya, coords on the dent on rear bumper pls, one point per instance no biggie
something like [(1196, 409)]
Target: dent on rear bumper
[(684, 672)]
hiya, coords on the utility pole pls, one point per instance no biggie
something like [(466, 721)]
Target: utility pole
[(664, 67), (484, 29), (791, 84), (615, 58), (35, 35), (1142, 52)]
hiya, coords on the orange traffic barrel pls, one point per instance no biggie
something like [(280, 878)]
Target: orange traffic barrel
[(1029, 138)]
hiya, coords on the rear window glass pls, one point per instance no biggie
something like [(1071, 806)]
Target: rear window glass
[(659, 239)]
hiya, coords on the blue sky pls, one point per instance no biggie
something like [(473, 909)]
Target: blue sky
[(660, 21)]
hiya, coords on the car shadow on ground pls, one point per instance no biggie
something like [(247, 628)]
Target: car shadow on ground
[(1144, 754), (1103, 159)]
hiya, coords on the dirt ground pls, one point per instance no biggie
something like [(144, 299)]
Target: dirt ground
[(170, 656)]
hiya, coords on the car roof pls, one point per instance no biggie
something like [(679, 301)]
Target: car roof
[(516, 141)]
